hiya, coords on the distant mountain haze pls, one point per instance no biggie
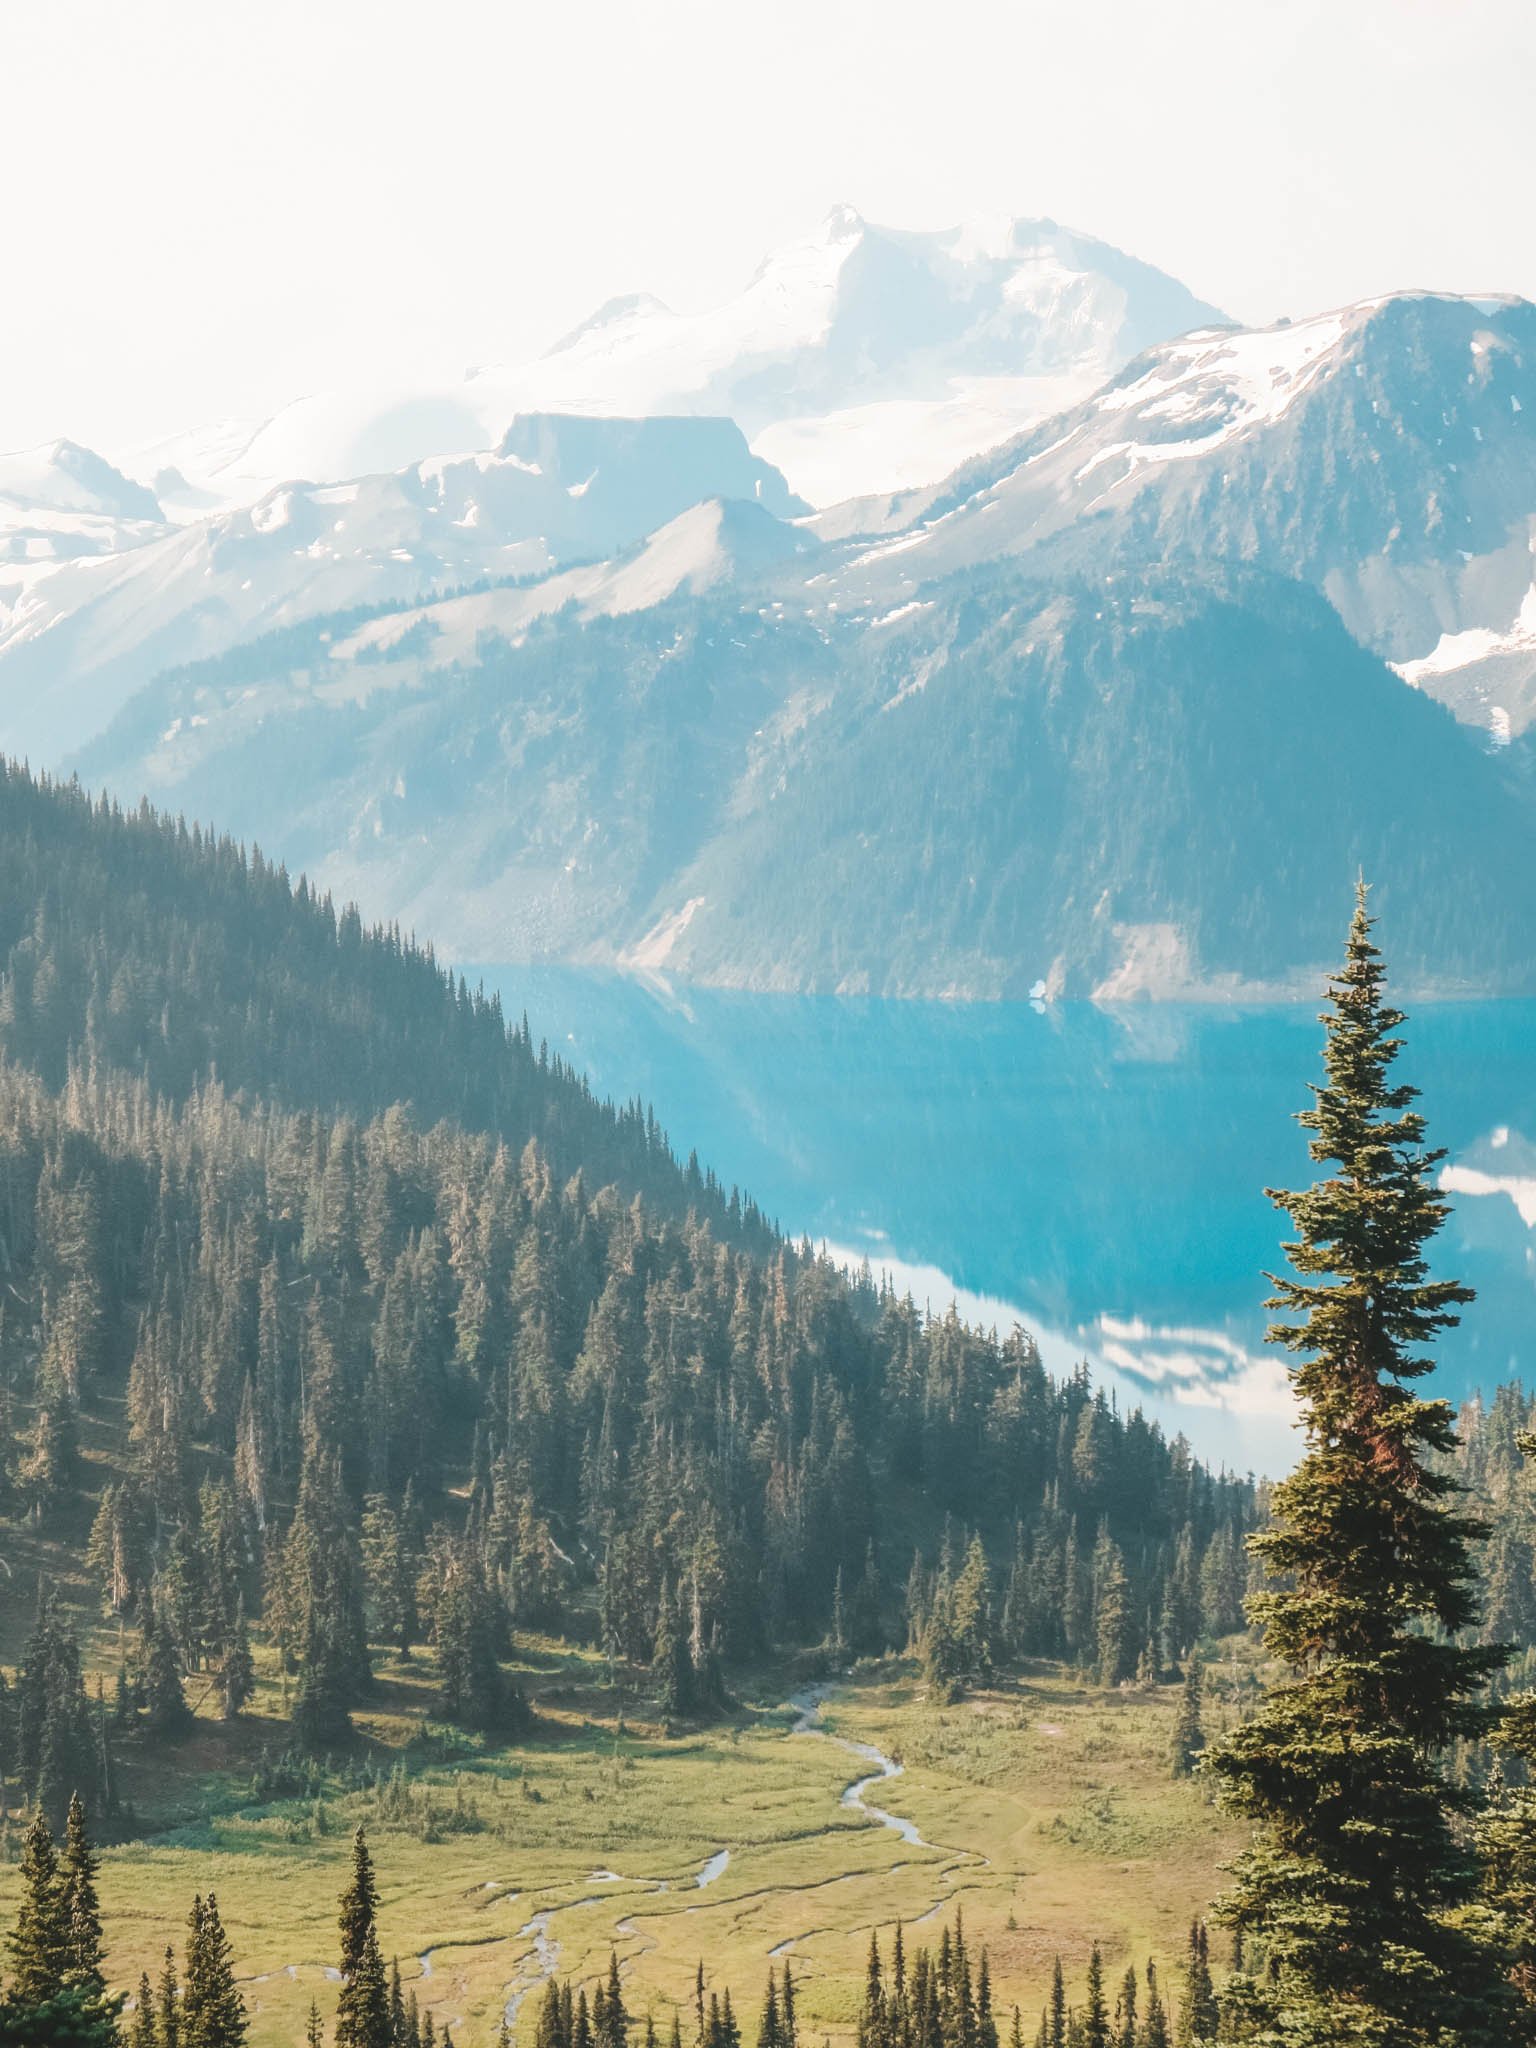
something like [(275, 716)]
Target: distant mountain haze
[(1110, 708), (859, 358)]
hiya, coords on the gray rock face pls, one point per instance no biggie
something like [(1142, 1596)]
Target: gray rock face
[(1385, 454)]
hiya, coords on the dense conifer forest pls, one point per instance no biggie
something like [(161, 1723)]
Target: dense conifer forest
[(333, 1309)]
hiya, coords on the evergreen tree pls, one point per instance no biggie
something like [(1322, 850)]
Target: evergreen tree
[(1111, 1611), (1357, 1866), (163, 1693), (362, 2009), (1095, 2019), (970, 1613), (612, 2030), (39, 1944), (1198, 2012), (168, 2004), (79, 1904), (57, 1750), (837, 1633), (1506, 1839), (670, 1662), (1189, 1729), (474, 1689), (549, 2030), (391, 1580), (1125, 2029), (323, 1563), (212, 2010), (1155, 2031), (237, 1670), (143, 2033), (71, 2018)]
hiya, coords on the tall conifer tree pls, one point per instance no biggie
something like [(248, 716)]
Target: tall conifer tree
[(362, 2010), (39, 1942), (1189, 1729), (78, 1902), (1356, 1865), (212, 2010)]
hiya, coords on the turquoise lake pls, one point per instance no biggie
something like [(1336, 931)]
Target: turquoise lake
[(1097, 1174)]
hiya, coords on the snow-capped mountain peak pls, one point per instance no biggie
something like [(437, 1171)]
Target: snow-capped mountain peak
[(855, 357), (64, 503), (61, 476), (1384, 452)]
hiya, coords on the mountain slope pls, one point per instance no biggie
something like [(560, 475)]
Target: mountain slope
[(1152, 784), (1161, 785), (63, 503), (519, 769), (346, 1292), (1385, 454), (129, 942), (555, 490)]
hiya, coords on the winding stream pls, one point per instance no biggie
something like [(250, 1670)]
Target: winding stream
[(540, 1958), (808, 1706)]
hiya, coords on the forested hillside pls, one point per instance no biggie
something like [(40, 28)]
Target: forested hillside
[(332, 1309), (142, 945)]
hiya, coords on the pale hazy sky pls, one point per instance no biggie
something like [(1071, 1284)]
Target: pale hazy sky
[(211, 208)]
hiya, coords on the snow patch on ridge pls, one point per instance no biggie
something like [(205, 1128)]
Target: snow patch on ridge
[(1478, 643)]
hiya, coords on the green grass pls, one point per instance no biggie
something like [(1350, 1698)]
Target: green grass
[(1048, 1807)]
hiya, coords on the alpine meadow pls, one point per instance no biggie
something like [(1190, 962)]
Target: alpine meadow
[(767, 1058)]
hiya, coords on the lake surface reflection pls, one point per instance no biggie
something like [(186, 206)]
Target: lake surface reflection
[(1097, 1174)]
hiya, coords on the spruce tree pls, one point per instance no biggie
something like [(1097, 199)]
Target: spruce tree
[(57, 1751), (80, 1906), (670, 1662), (1111, 1611), (167, 1702), (143, 2033), (970, 1613), (168, 2003), (71, 2018), (612, 2030), (1125, 2011), (1198, 2011), (1095, 2028), (1154, 2028), (362, 2009), (237, 1670), (1188, 1729), (549, 2029), (1506, 1840), (1056, 2012), (212, 2010), (768, 2028), (1356, 1866), (39, 1943), (397, 2006)]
